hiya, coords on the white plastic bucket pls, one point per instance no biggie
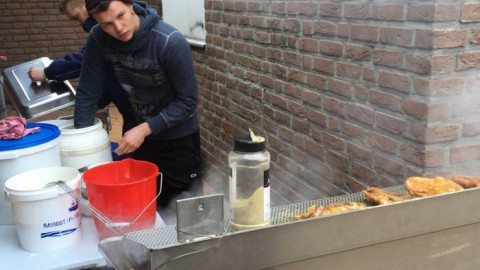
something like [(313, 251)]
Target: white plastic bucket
[(36, 150), (82, 147), (47, 218)]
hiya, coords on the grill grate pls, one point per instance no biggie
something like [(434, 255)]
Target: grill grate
[(164, 237)]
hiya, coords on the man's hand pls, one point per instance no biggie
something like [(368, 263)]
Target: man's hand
[(133, 138), (36, 74)]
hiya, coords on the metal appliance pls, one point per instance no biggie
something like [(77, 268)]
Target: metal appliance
[(33, 99), (437, 232)]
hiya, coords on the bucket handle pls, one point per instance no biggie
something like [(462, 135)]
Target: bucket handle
[(123, 224), (114, 226)]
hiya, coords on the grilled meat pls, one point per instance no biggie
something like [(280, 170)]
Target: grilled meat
[(329, 209), (341, 207), (311, 212), (380, 196), (466, 181), (422, 186)]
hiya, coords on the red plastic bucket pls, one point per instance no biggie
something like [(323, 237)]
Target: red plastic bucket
[(121, 191)]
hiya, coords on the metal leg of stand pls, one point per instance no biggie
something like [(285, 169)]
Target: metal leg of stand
[(3, 107)]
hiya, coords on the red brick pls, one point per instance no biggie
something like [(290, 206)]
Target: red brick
[(330, 9), (317, 81), (361, 92), (360, 113), (307, 9), (440, 39), (425, 111), (333, 141), (431, 12), (385, 100), (349, 70), (363, 172), (324, 65), (396, 36), (364, 32), (317, 117), (308, 44), (438, 87), (468, 60), (278, 8), (435, 133), (463, 153), (292, 25), (301, 126), (387, 57), (337, 160), (475, 37), (334, 105), (388, 12), (340, 87), (384, 163), (343, 29), (390, 123), (311, 97), (325, 28), (429, 64), (296, 75), (383, 142), (369, 74), (358, 52), (331, 48), (395, 81), (293, 90), (354, 131), (356, 11), (429, 158), (470, 13), (308, 27), (358, 152), (471, 129)]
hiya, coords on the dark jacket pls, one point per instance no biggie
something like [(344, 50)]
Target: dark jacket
[(155, 68), (69, 66)]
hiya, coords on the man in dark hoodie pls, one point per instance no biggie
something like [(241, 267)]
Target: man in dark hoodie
[(69, 66), (154, 64)]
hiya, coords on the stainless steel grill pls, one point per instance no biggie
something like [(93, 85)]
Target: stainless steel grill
[(430, 233), (167, 236)]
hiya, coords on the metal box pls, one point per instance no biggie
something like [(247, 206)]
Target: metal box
[(32, 99)]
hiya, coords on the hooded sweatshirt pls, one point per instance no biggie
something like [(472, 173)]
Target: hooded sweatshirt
[(156, 69)]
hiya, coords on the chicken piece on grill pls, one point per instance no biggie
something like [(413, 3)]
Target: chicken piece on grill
[(466, 181), (341, 207), (311, 212), (380, 196), (423, 186), (329, 209)]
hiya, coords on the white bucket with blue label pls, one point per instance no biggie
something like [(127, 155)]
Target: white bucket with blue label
[(47, 217)]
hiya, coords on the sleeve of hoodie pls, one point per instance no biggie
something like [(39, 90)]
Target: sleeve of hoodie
[(178, 65), (90, 85), (65, 68)]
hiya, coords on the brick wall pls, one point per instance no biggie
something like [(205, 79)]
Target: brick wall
[(348, 94), (30, 29)]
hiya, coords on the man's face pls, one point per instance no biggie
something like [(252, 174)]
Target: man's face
[(75, 13), (119, 21)]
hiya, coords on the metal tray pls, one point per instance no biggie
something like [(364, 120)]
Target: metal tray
[(32, 99)]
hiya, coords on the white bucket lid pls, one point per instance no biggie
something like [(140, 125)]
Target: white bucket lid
[(30, 185)]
